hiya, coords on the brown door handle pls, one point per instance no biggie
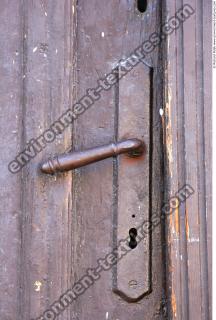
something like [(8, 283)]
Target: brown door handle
[(73, 160)]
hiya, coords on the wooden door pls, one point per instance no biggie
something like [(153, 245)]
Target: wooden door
[(56, 229)]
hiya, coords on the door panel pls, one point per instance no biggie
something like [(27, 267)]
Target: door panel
[(110, 33), (61, 225)]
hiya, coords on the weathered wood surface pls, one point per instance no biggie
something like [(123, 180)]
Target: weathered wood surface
[(54, 228), (35, 209), (105, 36), (188, 148)]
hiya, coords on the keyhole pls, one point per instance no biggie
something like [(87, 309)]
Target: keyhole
[(142, 5), (132, 233)]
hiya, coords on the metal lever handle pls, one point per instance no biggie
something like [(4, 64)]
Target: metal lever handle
[(73, 160)]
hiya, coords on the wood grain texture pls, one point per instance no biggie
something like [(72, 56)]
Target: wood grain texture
[(188, 154), (36, 227), (10, 125), (105, 36), (55, 227)]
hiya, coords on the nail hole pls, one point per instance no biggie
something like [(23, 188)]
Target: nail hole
[(142, 5), (133, 216), (133, 234)]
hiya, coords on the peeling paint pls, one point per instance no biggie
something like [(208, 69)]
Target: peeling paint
[(173, 304), (161, 112), (193, 240), (177, 229), (168, 129), (187, 225), (37, 285)]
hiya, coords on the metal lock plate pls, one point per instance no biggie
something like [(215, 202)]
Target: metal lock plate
[(131, 180)]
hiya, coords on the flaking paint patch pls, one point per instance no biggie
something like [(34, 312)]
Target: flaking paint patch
[(169, 131), (187, 225), (170, 233), (167, 112), (161, 112), (177, 229), (171, 221), (37, 286), (193, 240), (173, 303)]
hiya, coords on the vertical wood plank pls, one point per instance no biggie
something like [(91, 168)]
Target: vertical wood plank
[(10, 133), (54, 228), (171, 169), (46, 201), (110, 33), (207, 103), (187, 118)]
